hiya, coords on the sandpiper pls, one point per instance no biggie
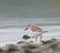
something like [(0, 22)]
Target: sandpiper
[(36, 31)]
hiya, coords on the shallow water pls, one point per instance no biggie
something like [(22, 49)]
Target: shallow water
[(15, 15), (11, 31)]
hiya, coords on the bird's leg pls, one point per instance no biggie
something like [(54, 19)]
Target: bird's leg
[(36, 38), (40, 38)]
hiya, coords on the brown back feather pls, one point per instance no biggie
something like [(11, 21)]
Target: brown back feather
[(35, 29)]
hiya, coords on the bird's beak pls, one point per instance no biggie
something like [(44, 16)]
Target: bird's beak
[(26, 28)]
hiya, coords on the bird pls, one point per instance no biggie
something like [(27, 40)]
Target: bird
[(37, 31)]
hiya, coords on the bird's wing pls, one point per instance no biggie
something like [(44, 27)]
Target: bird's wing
[(35, 28)]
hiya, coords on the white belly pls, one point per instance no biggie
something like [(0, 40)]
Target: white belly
[(36, 33)]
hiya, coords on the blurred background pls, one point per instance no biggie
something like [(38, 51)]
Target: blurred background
[(16, 14)]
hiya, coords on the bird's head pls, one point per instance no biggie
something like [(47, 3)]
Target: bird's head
[(29, 25)]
